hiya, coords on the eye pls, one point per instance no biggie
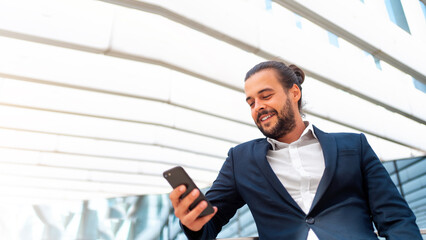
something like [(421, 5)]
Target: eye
[(267, 96)]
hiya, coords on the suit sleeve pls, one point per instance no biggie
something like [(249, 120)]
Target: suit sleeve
[(391, 214), (224, 195)]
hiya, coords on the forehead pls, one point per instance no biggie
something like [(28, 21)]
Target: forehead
[(264, 79)]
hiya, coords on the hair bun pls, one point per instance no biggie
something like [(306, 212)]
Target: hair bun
[(299, 73)]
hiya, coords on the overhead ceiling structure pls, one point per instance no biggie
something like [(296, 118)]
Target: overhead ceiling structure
[(98, 98), (409, 176)]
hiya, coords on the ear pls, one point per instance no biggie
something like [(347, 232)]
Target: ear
[(295, 93)]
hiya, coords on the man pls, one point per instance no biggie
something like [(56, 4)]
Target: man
[(299, 182)]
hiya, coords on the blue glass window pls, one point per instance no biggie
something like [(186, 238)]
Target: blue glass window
[(298, 21), (268, 4), (419, 85), (396, 14), (333, 39), (412, 179), (423, 7), (377, 62)]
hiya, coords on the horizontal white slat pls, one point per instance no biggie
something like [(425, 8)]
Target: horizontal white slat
[(263, 39), (101, 163), (168, 91), (127, 45), (99, 151), (74, 69), (118, 108), (367, 28), (77, 174), (57, 194), (178, 90), (88, 187), (89, 27), (384, 149), (85, 184), (360, 114)]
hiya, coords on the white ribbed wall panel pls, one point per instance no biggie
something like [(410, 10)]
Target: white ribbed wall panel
[(97, 99), (274, 34), (165, 47), (152, 46), (178, 92), (368, 28)]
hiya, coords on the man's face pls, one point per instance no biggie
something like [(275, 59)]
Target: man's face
[(271, 108)]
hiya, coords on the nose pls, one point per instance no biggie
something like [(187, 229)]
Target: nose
[(258, 106)]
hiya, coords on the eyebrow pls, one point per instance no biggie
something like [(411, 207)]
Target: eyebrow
[(261, 91)]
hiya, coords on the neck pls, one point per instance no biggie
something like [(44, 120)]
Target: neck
[(294, 134)]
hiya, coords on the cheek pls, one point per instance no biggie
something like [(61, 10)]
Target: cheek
[(253, 115)]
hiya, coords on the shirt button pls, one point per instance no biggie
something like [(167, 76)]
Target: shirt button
[(310, 220)]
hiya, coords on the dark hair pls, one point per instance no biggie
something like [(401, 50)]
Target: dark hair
[(287, 75)]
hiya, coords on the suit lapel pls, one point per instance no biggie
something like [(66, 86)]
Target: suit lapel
[(329, 149), (260, 150)]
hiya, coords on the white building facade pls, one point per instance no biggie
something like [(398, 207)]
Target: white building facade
[(98, 98)]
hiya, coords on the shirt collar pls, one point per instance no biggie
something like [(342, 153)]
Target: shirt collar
[(307, 134)]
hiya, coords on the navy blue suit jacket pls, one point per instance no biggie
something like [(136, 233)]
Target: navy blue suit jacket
[(355, 190)]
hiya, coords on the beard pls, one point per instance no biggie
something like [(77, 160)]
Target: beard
[(286, 121)]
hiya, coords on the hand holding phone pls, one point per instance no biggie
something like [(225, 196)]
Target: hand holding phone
[(177, 176)]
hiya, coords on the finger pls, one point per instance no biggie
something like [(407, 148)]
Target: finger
[(183, 206), (199, 209), (175, 195), (197, 223), (207, 218), (194, 213)]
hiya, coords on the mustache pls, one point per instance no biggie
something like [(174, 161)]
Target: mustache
[(263, 112)]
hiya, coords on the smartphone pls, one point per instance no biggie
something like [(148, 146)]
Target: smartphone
[(177, 176)]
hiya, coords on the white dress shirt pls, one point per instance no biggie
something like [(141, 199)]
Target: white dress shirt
[(299, 166)]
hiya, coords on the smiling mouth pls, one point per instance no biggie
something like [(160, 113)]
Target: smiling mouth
[(266, 117)]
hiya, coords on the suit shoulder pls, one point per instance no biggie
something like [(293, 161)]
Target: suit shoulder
[(338, 135), (347, 140), (346, 135), (249, 144)]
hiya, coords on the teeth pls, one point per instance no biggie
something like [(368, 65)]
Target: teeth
[(264, 118)]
